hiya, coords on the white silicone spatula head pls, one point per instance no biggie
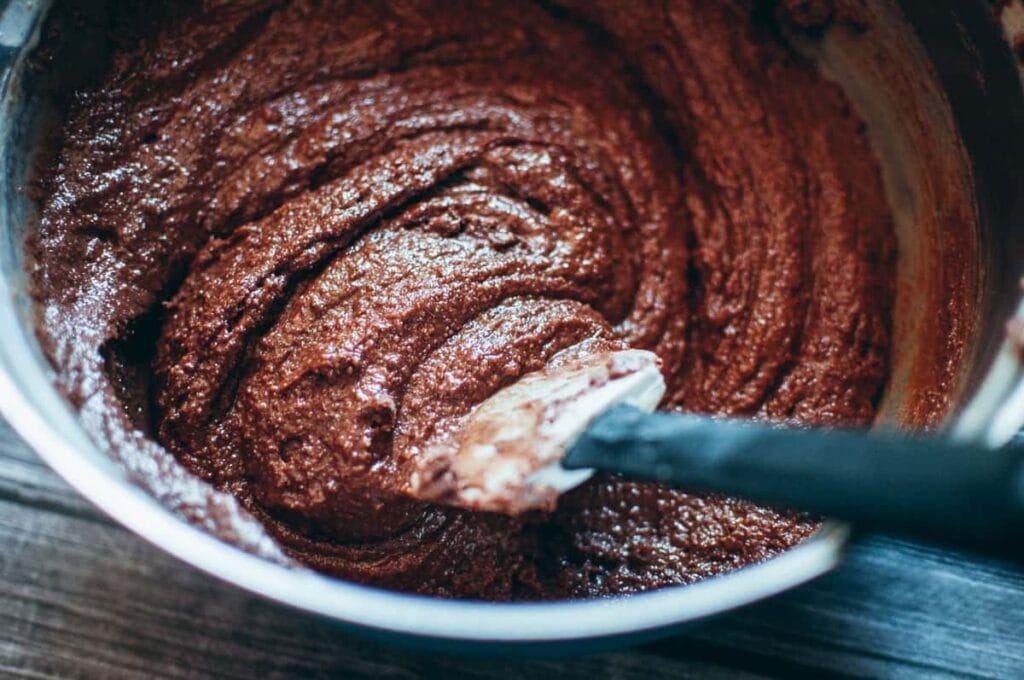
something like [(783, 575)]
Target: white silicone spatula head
[(505, 455)]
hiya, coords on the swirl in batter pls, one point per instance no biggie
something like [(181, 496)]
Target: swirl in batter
[(362, 219)]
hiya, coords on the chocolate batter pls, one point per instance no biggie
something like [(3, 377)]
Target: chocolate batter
[(286, 240)]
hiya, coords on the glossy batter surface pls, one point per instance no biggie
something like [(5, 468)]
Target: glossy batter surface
[(297, 238)]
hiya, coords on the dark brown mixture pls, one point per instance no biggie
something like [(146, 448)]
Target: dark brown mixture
[(283, 240)]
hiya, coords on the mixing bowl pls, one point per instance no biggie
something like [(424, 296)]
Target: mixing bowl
[(937, 83)]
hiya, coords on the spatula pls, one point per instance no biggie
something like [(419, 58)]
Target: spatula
[(549, 432)]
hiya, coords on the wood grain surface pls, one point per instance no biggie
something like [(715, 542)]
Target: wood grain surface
[(82, 597)]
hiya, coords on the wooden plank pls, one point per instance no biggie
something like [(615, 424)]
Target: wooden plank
[(80, 597), (25, 478), (893, 611)]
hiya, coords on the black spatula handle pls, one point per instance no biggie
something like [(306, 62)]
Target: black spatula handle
[(933, 489)]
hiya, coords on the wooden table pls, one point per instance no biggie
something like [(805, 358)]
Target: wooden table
[(82, 597)]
